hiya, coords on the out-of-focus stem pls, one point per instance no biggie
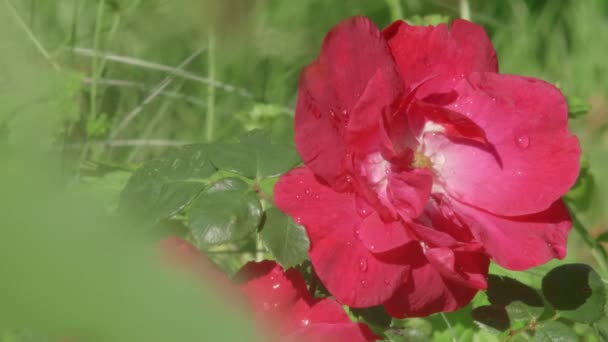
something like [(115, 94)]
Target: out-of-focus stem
[(210, 118), (31, 35), (465, 10), (598, 252), (395, 9)]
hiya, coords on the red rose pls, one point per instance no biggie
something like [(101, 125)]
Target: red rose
[(279, 299), (421, 162)]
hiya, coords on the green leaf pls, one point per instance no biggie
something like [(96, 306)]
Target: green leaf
[(410, 330), (375, 316), (510, 302), (286, 240), (577, 107), (161, 188), (576, 291), (581, 195), (521, 302), (492, 316), (554, 331), (254, 156), (601, 327), (226, 211), (603, 237)]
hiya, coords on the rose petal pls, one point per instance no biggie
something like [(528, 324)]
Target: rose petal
[(535, 158), (427, 291), (409, 191), (353, 274), (422, 52), (271, 291), (464, 268), (451, 123), (325, 332), (518, 243), (379, 236), (339, 90)]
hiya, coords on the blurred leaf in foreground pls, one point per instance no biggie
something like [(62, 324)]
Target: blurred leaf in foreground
[(68, 270)]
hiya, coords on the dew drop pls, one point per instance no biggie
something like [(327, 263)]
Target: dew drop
[(364, 283), (363, 265), (363, 208), (317, 197), (386, 282), (332, 114), (363, 212), (357, 234), (298, 220), (308, 191), (348, 244), (344, 112), (316, 113), (523, 141), (305, 322), (298, 197), (276, 286), (520, 173)]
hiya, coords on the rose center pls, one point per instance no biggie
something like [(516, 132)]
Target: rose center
[(421, 161)]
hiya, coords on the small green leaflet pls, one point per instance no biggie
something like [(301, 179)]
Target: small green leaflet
[(286, 240)]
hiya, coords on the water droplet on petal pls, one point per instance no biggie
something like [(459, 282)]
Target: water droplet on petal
[(317, 197), (386, 282), (308, 191), (520, 173), (298, 220), (357, 234), (305, 322), (363, 265), (298, 197), (332, 114), (523, 141), (344, 112), (364, 283), (363, 208)]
